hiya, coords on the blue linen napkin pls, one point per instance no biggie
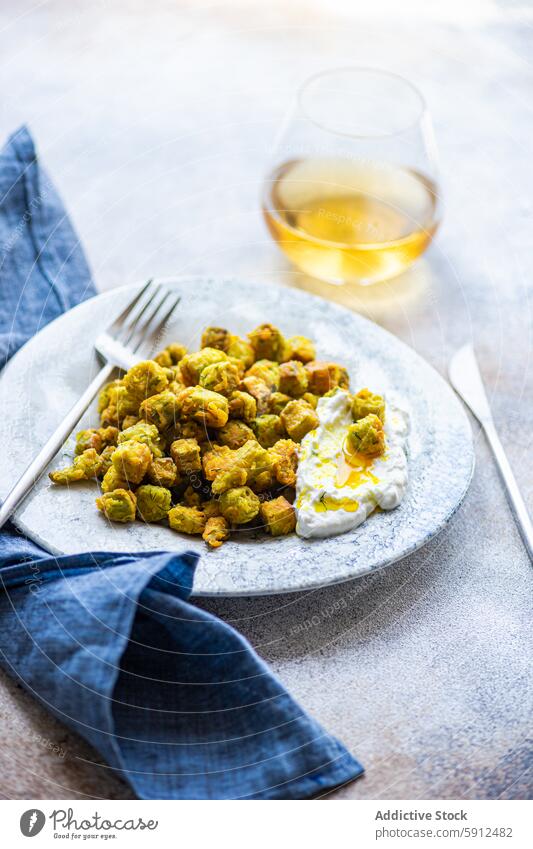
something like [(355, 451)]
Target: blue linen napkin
[(176, 701)]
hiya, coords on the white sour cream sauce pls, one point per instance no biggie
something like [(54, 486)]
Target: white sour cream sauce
[(330, 498)]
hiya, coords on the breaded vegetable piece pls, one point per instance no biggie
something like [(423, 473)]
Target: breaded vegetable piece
[(216, 531), (242, 405), (259, 390), (143, 432), (160, 410), (323, 377), (285, 456), (250, 464), (241, 350), (153, 502), (121, 403), (366, 436), (105, 460), (192, 498), (311, 399), (211, 508), (186, 455), (131, 460), (365, 402), (118, 506), (193, 365), (105, 394), (268, 429), (221, 377), (279, 516), (163, 472), (203, 406), (129, 421), (267, 371), (171, 355), (85, 467), (299, 418), (113, 480), (89, 438), (187, 520), (299, 348), (292, 378), (145, 379), (234, 434), (239, 505), (277, 402), (216, 337), (217, 460), (267, 342)]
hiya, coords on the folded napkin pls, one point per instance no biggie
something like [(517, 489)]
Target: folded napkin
[(176, 701)]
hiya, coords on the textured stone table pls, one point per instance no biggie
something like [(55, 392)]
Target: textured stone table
[(156, 120)]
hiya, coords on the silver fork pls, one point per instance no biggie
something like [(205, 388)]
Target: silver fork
[(131, 335)]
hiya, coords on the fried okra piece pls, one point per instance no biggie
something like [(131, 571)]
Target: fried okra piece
[(171, 355), (192, 365), (299, 418), (204, 406), (132, 460), (277, 402), (153, 502), (242, 405), (259, 390), (216, 337), (143, 432), (187, 520), (279, 516), (163, 472), (267, 342), (192, 498), (239, 505), (104, 397), (113, 480), (251, 464), (145, 379), (267, 371), (216, 531), (365, 403), (160, 410), (241, 350), (105, 460), (217, 460), (366, 436), (322, 377), (311, 399), (293, 378), (268, 429), (129, 421), (285, 457), (299, 348), (118, 505), (89, 438), (234, 434), (186, 455), (211, 508), (121, 403), (85, 467), (221, 377)]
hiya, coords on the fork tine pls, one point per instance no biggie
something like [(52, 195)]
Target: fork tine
[(132, 304), (152, 336), (130, 326), (140, 328)]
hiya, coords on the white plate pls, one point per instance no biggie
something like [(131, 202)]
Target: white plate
[(44, 379)]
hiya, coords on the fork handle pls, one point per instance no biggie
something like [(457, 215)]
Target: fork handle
[(34, 471), (516, 501)]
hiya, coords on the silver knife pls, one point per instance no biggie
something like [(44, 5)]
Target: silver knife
[(467, 382)]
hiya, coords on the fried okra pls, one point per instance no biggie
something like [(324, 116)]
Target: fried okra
[(216, 531), (192, 365), (186, 455), (143, 432), (118, 505), (259, 390), (242, 405), (120, 403), (145, 379), (267, 342), (277, 402), (366, 436), (217, 460), (293, 378), (239, 505), (268, 429), (299, 348), (192, 498), (299, 418), (234, 434), (105, 460), (366, 402), (323, 376), (203, 406), (216, 337), (311, 399), (267, 371), (241, 350), (187, 520), (223, 377), (279, 516), (153, 502), (85, 467), (171, 355), (251, 464), (160, 410), (163, 472), (131, 460), (89, 438), (113, 479), (285, 457)]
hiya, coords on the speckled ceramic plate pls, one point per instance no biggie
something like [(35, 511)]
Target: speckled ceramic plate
[(44, 379)]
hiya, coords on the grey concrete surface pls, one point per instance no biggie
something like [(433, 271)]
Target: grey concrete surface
[(156, 120)]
